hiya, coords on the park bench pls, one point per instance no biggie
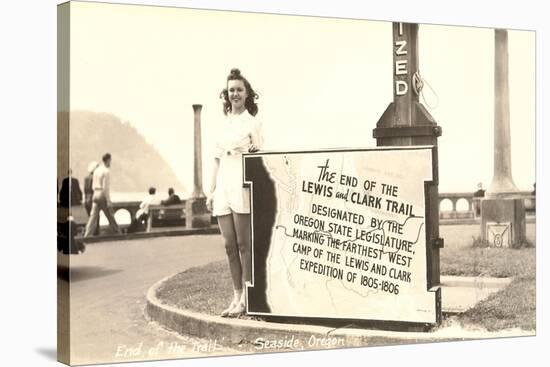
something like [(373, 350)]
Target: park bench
[(166, 214)]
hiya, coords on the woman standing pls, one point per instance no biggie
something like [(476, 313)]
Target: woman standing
[(228, 200)]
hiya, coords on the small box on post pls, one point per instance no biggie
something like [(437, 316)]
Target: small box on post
[(499, 234), (499, 212)]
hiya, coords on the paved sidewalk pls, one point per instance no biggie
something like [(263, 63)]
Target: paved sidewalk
[(459, 294), (107, 300)]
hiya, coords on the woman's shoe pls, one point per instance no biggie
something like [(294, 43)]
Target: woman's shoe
[(238, 310), (227, 311)]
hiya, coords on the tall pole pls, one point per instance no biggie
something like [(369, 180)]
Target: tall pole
[(502, 211), (502, 184), (197, 172), (407, 122)]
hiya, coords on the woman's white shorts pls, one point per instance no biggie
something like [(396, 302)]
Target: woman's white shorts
[(231, 199)]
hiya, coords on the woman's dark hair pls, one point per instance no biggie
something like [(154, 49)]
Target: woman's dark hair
[(249, 104)]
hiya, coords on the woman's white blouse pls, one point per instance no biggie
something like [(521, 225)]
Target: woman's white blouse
[(237, 134)]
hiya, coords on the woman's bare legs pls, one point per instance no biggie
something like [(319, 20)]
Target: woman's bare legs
[(242, 232), (227, 228)]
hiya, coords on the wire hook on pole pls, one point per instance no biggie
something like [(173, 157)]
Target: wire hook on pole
[(418, 86)]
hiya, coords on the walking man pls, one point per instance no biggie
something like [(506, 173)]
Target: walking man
[(89, 192), (101, 199)]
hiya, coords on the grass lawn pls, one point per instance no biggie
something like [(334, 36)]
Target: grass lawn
[(207, 289), (204, 289), (512, 307), (487, 262)]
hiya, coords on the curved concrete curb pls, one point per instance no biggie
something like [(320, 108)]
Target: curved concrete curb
[(232, 332)]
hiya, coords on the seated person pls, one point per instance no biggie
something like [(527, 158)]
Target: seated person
[(151, 199), (173, 199), (70, 191)]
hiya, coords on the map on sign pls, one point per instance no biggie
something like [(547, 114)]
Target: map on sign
[(341, 234)]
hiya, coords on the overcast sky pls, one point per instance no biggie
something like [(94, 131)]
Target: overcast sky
[(323, 82)]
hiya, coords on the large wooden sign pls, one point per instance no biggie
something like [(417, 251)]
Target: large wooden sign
[(342, 234)]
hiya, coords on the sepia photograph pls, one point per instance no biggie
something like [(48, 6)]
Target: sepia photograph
[(240, 182)]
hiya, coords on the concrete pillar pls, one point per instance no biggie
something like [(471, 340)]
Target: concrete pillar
[(407, 122), (502, 185), (196, 213), (197, 166), (502, 212)]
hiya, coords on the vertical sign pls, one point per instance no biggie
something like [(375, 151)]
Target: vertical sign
[(405, 38)]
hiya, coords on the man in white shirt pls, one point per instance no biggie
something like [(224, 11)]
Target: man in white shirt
[(151, 199), (101, 199)]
